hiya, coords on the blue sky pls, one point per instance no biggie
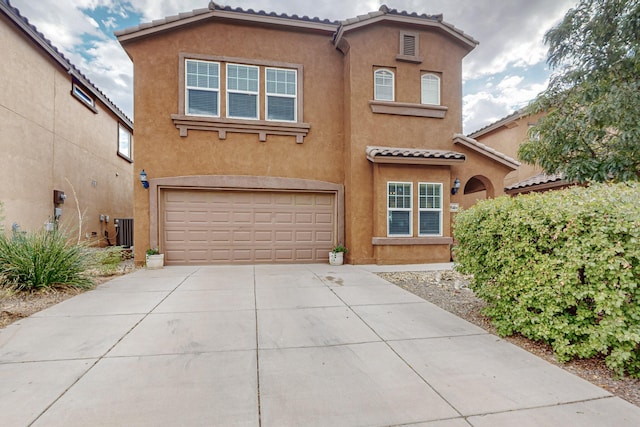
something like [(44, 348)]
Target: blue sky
[(501, 75)]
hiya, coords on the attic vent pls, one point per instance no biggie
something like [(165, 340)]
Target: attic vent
[(409, 47)]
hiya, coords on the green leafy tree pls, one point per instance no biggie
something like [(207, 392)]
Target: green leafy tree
[(592, 129)]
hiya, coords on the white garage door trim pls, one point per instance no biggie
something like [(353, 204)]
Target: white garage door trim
[(234, 182)]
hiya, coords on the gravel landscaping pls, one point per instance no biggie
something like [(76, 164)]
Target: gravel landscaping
[(448, 290)]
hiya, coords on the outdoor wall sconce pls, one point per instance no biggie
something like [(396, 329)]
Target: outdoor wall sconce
[(455, 188), (143, 179)]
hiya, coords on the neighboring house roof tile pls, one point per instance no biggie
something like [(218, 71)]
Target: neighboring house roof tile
[(38, 38), (486, 151), (541, 179), (377, 154), (505, 121)]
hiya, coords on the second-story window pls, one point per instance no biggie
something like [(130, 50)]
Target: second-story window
[(242, 91), (125, 143), (281, 94), (430, 86), (202, 88), (383, 85)]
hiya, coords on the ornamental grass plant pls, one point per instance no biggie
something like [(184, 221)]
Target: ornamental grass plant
[(43, 259)]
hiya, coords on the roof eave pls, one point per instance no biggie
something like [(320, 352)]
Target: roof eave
[(497, 157), (129, 34), (468, 42), (517, 115), (538, 187), (413, 160), (63, 62)]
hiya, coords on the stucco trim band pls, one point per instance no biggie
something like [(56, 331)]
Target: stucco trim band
[(397, 241), (239, 183), (222, 126), (408, 109)]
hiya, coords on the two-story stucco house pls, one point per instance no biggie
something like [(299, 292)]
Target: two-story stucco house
[(58, 134), (271, 138), (506, 135)]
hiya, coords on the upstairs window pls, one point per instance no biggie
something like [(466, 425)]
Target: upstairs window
[(281, 91), (430, 209), (202, 88), (242, 91), (399, 209), (125, 143), (383, 85), (83, 96), (430, 86)]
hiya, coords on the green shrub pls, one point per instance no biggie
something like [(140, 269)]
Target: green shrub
[(43, 259), (107, 260), (562, 267)]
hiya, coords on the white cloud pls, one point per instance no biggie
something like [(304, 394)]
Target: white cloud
[(510, 35), (486, 106)]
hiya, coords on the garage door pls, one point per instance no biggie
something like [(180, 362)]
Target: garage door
[(228, 226)]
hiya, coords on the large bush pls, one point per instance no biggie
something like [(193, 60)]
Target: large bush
[(43, 259), (562, 267)]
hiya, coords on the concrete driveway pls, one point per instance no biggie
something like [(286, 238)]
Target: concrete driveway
[(286, 345)]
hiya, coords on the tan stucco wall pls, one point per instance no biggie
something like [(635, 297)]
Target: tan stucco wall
[(160, 150), (48, 137), (337, 90), (377, 47), (507, 140)]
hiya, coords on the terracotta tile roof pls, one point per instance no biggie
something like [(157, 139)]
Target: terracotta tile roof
[(485, 150), (403, 16), (334, 27), (415, 153), (214, 6), (215, 9), (39, 39), (539, 179)]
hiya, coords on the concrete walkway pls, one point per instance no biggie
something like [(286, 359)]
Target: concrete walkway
[(294, 345)]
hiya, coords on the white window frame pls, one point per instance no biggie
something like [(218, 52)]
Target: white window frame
[(376, 94), (280, 95), (126, 133), (248, 92), (431, 77), (426, 209), (403, 209), (204, 89)]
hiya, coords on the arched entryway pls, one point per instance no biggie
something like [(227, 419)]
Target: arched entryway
[(476, 188)]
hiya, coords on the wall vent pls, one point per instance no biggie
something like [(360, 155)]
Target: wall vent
[(409, 47)]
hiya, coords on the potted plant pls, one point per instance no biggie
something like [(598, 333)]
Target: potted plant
[(336, 256), (155, 259)]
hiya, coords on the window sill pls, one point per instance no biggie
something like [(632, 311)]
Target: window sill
[(224, 125), (125, 157), (396, 241), (407, 109)]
